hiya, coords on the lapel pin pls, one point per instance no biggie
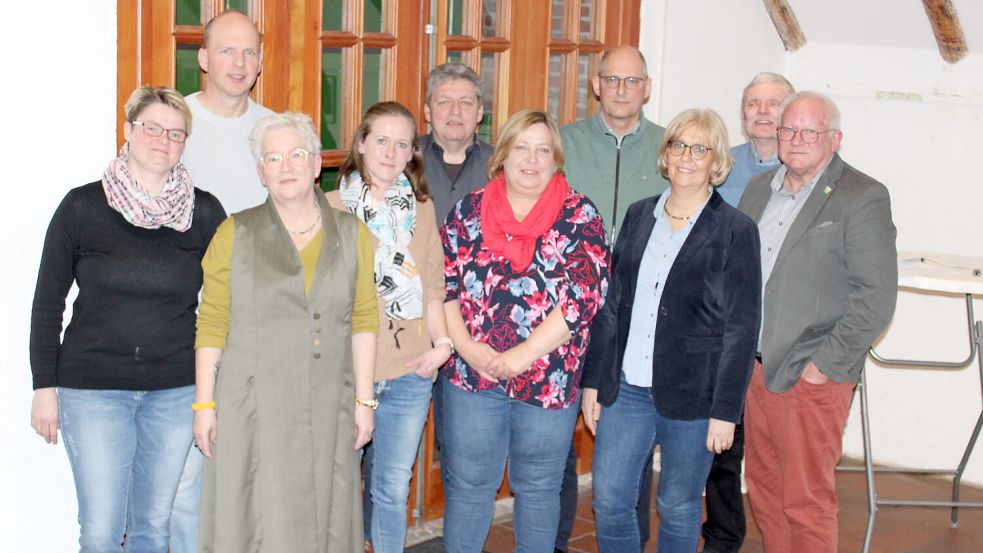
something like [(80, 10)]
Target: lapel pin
[(827, 190)]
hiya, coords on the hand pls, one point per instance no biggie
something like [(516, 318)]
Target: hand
[(44, 414), (479, 355), (812, 375), (364, 425), (590, 408), (205, 429), (510, 363), (427, 363), (720, 435)]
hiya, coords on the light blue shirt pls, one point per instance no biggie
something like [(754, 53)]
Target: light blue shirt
[(660, 253), (780, 212), (747, 163)]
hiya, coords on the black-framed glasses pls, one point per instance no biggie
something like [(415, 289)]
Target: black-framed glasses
[(153, 129), (613, 81), (808, 136), (696, 151), (295, 157)]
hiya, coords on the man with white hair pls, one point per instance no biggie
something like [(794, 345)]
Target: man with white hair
[(726, 525), (828, 263)]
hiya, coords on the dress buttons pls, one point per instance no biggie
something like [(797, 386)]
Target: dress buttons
[(317, 316), (317, 355), (317, 342)]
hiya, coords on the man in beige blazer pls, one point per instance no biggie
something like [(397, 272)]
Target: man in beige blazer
[(830, 274)]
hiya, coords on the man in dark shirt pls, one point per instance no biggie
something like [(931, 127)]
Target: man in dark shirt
[(455, 159)]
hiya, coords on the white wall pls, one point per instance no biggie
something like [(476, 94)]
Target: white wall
[(924, 147), (58, 105)]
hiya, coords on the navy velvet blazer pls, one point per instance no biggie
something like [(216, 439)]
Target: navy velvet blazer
[(709, 315)]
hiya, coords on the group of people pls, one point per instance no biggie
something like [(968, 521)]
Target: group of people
[(482, 278)]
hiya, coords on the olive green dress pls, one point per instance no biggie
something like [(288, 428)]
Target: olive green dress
[(285, 475)]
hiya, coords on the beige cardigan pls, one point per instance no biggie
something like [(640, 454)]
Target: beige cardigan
[(413, 335)]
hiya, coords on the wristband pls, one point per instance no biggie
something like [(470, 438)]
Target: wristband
[(202, 405), (370, 403)]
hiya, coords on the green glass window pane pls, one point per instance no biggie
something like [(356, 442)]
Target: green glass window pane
[(554, 89), (187, 74), (489, 18), (455, 17), (488, 71), (373, 76), (587, 17), (585, 95), (332, 14), (332, 61), (238, 5), (558, 16), (329, 178), (374, 16), (187, 12), (455, 56)]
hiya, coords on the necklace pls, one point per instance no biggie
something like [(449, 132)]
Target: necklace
[(665, 207), (317, 221)]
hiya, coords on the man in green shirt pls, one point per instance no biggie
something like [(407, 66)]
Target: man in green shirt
[(612, 158)]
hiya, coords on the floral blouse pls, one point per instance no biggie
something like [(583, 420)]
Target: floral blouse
[(501, 307)]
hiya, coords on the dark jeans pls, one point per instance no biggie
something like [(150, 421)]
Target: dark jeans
[(568, 502), (726, 526)]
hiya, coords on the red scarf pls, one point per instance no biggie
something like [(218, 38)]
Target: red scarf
[(498, 219)]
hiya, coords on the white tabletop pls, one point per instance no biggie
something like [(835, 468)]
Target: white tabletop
[(940, 272)]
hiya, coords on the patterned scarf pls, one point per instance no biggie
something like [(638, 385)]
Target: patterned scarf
[(393, 222), (173, 207)]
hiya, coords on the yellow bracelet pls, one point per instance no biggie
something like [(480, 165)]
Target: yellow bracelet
[(203, 405)]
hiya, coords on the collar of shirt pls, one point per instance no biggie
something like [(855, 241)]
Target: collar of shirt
[(778, 182), (762, 161), (660, 207), (620, 139)]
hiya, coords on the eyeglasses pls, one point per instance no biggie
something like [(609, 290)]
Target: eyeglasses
[(808, 136), (295, 158), (696, 151), (153, 129), (613, 81)]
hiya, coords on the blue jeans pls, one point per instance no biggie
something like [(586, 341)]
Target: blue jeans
[(187, 502), (127, 449), (483, 430), (403, 406), (626, 434)]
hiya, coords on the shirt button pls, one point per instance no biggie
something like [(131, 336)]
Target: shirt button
[(317, 342), (317, 329), (780, 223), (793, 196), (317, 316), (317, 355), (769, 249)]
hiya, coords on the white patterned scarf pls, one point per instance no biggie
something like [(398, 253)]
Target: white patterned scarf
[(392, 222), (174, 207)]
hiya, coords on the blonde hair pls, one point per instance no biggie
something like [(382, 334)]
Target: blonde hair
[(708, 123), (516, 125), (146, 96)]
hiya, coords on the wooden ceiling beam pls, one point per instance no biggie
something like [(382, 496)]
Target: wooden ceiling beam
[(948, 31), (786, 24)]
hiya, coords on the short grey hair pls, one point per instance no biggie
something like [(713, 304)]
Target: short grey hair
[(832, 112), (766, 77), (298, 121), (641, 56), (449, 72)]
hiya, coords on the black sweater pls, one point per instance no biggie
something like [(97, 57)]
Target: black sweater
[(133, 323)]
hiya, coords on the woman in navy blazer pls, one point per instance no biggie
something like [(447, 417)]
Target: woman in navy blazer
[(671, 352)]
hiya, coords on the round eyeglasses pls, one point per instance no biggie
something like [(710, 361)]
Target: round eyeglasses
[(613, 81), (295, 157), (808, 136), (696, 151), (153, 129)]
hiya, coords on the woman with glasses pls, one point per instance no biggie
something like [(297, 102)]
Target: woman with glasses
[(120, 383), (284, 356), (381, 183), (671, 352)]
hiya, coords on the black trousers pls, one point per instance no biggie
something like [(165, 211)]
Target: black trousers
[(726, 525)]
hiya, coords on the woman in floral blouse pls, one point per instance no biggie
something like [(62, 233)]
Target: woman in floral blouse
[(526, 266)]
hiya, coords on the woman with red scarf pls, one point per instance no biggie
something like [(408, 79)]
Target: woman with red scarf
[(526, 268)]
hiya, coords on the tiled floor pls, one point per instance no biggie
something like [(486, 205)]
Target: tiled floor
[(898, 529)]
